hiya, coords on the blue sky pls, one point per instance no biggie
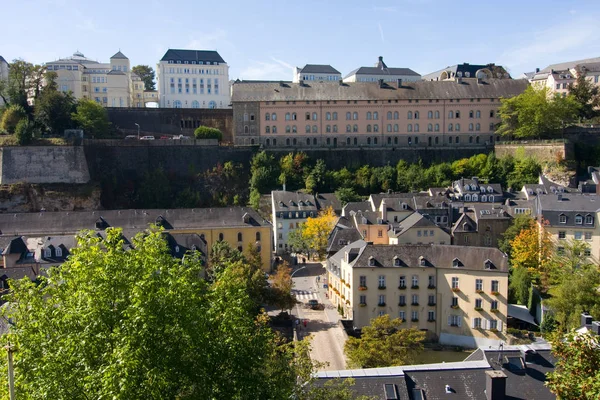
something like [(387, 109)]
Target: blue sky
[(265, 39)]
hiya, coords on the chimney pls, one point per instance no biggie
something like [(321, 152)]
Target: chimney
[(341, 82), (399, 83), (586, 320), (537, 70), (301, 82), (380, 58), (596, 327), (495, 385), (383, 210), (458, 80)]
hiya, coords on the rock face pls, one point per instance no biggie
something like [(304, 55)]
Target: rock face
[(52, 197)]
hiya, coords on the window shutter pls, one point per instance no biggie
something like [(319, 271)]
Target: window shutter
[(472, 322), (499, 326), (487, 324), (449, 320), (459, 321)]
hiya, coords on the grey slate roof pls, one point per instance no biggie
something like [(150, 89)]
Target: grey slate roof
[(436, 256), (382, 71), (71, 222), (2, 59), (341, 236), (570, 205), (16, 246), (414, 220), (463, 68), (356, 206), (326, 200), (333, 91), (115, 72), (319, 69), (570, 64), (192, 55), (293, 201), (119, 55)]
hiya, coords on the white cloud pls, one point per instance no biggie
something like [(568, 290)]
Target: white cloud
[(265, 70), (208, 41)]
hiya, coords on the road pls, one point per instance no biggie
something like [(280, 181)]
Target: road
[(328, 336)]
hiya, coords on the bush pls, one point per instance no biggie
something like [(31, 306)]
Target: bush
[(24, 132), (11, 118), (205, 132)]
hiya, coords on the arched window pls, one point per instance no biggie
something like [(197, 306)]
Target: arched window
[(355, 141), (328, 141), (395, 127), (436, 128), (369, 128), (477, 114), (267, 117), (471, 114), (245, 117), (253, 129), (409, 128), (195, 104), (246, 129), (267, 129), (348, 115), (375, 128), (240, 236), (368, 140), (429, 114), (375, 115), (287, 116), (212, 105), (409, 115), (307, 116), (389, 140), (294, 117), (437, 115), (335, 116), (307, 129), (389, 127), (457, 140), (348, 128), (374, 140), (409, 140), (389, 115), (274, 129), (294, 141), (288, 129), (467, 197), (477, 127), (457, 128), (274, 142), (308, 141), (287, 141), (470, 127), (315, 129), (294, 129), (267, 142), (476, 139), (450, 139), (328, 129), (177, 104), (437, 141), (368, 115), (335, 128), (450, 114), (429, 127), (355, 115), (470, 139), (328, 116), (456, 114), (396, 140), (348, 141), (416, 127), (314, 116), (416, 115), (484, 198), (450, 126), (220, 237), (274, 117), (355, 128), (396, 115)]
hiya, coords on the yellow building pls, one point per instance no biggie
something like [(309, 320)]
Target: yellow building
[(238, 226), (457, 294)]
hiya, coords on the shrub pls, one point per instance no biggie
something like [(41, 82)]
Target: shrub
[(11, 118), (205, 132), (24, 132)]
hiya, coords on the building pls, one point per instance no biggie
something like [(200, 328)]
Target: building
[(499, 373), (480, 225), (239, 226), (369, 114), (466, 70), (3, 74), (316, 72), (110, 84), (193, 79), (566, 216), (457, 294), (382, 71), (558, 77)]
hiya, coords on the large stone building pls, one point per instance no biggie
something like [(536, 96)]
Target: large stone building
[(557, 77), (193, 79), (457, 294), (382, 71), (374, 114), (316, 72), (466, 70), (238, 226), (110, 84)]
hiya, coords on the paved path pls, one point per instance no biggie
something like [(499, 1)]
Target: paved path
[(328, 336)]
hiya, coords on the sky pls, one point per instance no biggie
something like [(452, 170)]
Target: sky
[(266, 39)]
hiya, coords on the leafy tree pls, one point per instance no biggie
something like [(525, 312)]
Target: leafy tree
[(254, 200), (298, 241), (205, 132), (11, 117), (316, 181), (531, 249), (343, 179), (526, 170), (586, 94), (347, 195), (576, 375), (384, 343), (222, 255), (24, 79), (520, 285), (535, 113), (146, 74), (517, 224), (264, 171), (316, 231), (569, 260), (226, 184), (53, 111), (281, 288), (92, 118), (24, 132), (293, 167), (188, 198), (548, 324)]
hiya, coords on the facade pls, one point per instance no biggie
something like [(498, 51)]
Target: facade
[(193, 79), (110, 84), (558, 77), (480, 225), (238, 226), (316, 72), (369, 114), (3, 74), (568, 217), (457, 294), (382, 71), (466, 70)]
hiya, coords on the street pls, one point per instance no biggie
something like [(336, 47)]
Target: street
[(328, 336)]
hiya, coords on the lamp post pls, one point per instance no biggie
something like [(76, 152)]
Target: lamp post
[(138, 126), (293, 273)]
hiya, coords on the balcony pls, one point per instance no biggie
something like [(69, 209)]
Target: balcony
[(402, 287), (494, 293), (381, 287), (453, 324), (430, 286), (478, 309), (431, 320), (454, 307), (414, 304), (380, 304), (415, 320), (362, 288), (494, 310), (362, 305), (478, 291), (456, 289), (401, 304), (431, 304), (414, 287)]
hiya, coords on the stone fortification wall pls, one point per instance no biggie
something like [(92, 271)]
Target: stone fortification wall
[(43, 164), (549, 152)]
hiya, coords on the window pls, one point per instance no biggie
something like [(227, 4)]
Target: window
[(381, 281), (454, 282), (494, 305), (562, 219), (454, 320), (354, 115), (495, 286), (587, 252), (389, 115), (375, 128), (562, 234), (578, 235), (478, 303), (409, 128), (380, 233), (431, 282), (493, 324), (410, 115), (375, 114), (369, 115), (478, 284), (220, 237), (415, 316), (457, 114), (450, 115), (363, 299), (402, 315), (314, 116), (381, 300), (402, 300), (402, 282), (578, 219), (477, 323), (416, 130), (363, 281), (416, 115), (396, 115), (457, 127), (348, 115), (589, 220), (47, 253), (334, 116), (560, 250), (429, 114), (355, 128), (454, 302), (415, 281), (431, 300), (431, 316), (450, 127), (415, 300), (477, 127), (588, 236)]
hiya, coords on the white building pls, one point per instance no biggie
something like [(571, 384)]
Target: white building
[(193, 79), (316, 72), (110, 84), (3, 73), (382, 71)]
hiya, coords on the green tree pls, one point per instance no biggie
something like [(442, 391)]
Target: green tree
[(526, 170), (222, 255), (92, 118), (316, 181), (53, 111), (517, 224), (347, 195), (520, 285), (294, 168), (576, 375), (281, 288), (384, 343), (297, 240), (11, 117), (586, 94), (264, 171), (24, 132), (205, 132), (146, 74)]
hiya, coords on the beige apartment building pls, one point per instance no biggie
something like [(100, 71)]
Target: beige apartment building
[(457, 294), (110, 84), (558, 77), (463, 112)]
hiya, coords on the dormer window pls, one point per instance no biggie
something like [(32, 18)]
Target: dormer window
[(246, 218), (490, 190), (466, 227), (456, 263), (371, 261), (589, 220), (578, 219), (467, 197), (467, 187), (396, 261), (47, 253), (488, 264), (281, 204), (422, 261), (482, 189), (404, 206), (58, 252), (176, 249), (562, 219)]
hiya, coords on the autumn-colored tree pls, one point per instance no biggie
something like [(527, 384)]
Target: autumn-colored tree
[(532, 249), (384, 343), (577, 371), (281, 288), (316, 231)]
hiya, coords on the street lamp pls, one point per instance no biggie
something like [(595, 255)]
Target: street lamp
[(293, 273), (138, 126)]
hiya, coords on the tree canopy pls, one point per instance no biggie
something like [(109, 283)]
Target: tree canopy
[(316, 231), (146, 74), (205, 132), (587, 95), (92, 118)]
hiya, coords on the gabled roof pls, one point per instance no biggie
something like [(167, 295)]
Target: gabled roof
[(192, 55), (570, 64), (16, 246), (319, 69), (414, 220), (115, 72), (383, 72), (119, 55), (284, 201)]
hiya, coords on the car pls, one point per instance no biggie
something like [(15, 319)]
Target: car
[(130, 137), (314, 304), (147, 138)]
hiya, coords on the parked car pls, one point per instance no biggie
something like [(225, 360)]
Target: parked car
[(147, 138), (314, 304), (130, 137)]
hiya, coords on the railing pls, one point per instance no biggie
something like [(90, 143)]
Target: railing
[(150, 143)]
